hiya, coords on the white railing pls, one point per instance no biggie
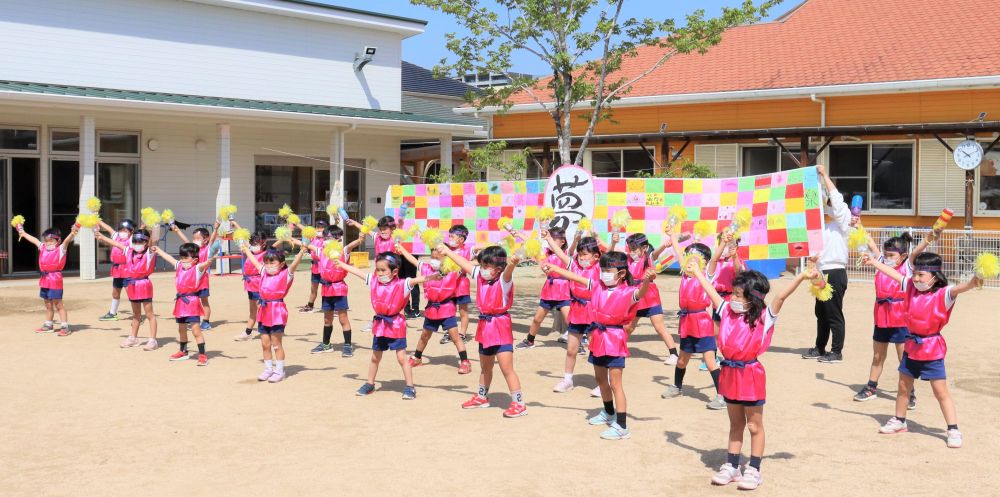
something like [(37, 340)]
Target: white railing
[(958, 249)]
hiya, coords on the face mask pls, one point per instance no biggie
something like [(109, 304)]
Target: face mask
[(385, 236), (51, 245), (737, 307), (186, 265), (124, 234), (922, 287), (384, 279), (486, 274), (435, 264), (609, 278), (585, 263), (255, 248), (138, 247), (199, 242), (272, 270), (635, 255)]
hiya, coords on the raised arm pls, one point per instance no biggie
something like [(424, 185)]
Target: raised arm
[(298, 258), (885, 269), (154, 235), (180, 234), (420, 280), (572, 246), (107, 241), (924, 243), (353, 245), (790, 289), (694, 271), (961, 288), (565, 273), (27, 236), (106, 227), (69, 238), (508, 272), (615, 238), (717, 253), (350, 269), (462, 262), (163, 253), (407, 255), (215, 233), (555, 248), (647, 279), (245, 248), (841, 213)]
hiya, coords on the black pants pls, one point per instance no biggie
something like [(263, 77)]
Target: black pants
[(830, 314), (410, 271)]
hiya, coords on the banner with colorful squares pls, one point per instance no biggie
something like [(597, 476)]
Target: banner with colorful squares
[(786, 207)]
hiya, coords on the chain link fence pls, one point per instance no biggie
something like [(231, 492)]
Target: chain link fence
[(958, 248)]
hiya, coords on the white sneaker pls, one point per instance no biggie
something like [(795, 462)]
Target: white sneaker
[(670, 360), (894, 425), (596, 392), (726, 475), (563, 386), (367, 328), (243, 337), (751, 479), (954, 439), (670, 392), (130, 341), (564, 338), (151, 344)]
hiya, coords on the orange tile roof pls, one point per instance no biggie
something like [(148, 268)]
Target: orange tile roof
[(833, 42)]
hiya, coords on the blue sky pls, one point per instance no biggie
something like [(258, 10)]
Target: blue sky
[(428, 48)]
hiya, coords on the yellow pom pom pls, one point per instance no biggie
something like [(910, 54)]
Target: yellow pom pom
[(94, 204), (741, 221), (533, 248), (283, 233), (620, 219), (369, 224), (241, 235), (987, 266), (309, 232), (431, 237), (413, 230), (17, 220), (693, 256), (167, 216), (284, 211), (703, 229), (332, 210), (505, 223), (151, 217), (585, 225), (509, 244), (146, 211), (333, 249), (293, 219), (546, 214), (449, 266), (821, 290), (857, 238), (227, 212), (676, 215), (87, 220), (400, 235)]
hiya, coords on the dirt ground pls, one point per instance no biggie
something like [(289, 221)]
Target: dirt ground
[(83, 417)]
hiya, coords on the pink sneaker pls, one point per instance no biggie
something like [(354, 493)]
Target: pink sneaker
[(276, 377), (265, 375), (151, 344), (130, 341)]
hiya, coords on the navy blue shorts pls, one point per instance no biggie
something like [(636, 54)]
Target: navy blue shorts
[(548, 305), (386, 343), (269, 330), (118, 283), (315, 279), (253, 296), (188, 319), (140, 301), (203, 293), (579, 329), (746, 403), (496, 349), (606, 361), (337, 303), (463, 300), (444, 324), (890, 335), (923, 370), (50, 294), (649, 312), (693, 345)]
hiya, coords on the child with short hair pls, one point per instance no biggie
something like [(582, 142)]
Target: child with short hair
[(494, 297), (555, 295), (457, 236), (251, 280), (315, 279), (276, 277), (189, 270), (140, 262), (121, 235), (204, 240), (745, 330), (334, 291), (585, 264), (389, 294), (52, 251)]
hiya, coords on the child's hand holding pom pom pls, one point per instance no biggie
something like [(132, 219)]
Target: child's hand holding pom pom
[(620, 220), (585, 226), (546, 214), (333, 249), (309, 232), (533, 248), (369, 224), (284, 211), (703, 229), (449, 266), (283, 233), (987, 267), (431, 237), (293, 219), (241, 236)]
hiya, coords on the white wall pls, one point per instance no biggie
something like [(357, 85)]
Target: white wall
[(189, 48)]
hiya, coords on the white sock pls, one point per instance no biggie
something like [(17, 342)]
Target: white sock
[(48, 323), (568, 377), (267, 364), (281, 366), (114, 306)]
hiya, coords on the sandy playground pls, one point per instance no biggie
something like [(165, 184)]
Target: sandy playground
[(83, 417)]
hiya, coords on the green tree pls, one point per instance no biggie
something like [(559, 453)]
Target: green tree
[(562, 33), (683, 168), (485, 158)]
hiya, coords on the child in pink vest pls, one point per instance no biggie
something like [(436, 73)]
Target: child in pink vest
[(890, 311), (315, 279), (440, 311), (457, 235), (613, 304), (189, 271), (333, 290), (555, 291), (121, 235), (745, 330), (52, 251), (640, 258), (276, 279), (140, 262), (586, 254), (494, 297), (722, 270), (928, 300), (695, 325), (204, 240), (251, 280)]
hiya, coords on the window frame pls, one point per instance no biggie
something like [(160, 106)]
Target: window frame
[(985, 142), (588, 162), (97, 142), (37, 151), (913, 176)]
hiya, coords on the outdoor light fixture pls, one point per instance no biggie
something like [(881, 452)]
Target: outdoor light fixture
[(663, 127), (361, 60)]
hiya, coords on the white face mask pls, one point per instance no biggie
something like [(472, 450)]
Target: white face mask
[(124, 235), (737, 307), (487, 274), (384, 279), (255, 248), (272, 270), (139, 247), (922, 287), (187, 265), (609, 278), (435, 264), (634, 254), (585, 264)]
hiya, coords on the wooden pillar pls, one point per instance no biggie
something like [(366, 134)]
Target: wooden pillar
[(546, 160), (970, 192), (664, 153), (804, 151)]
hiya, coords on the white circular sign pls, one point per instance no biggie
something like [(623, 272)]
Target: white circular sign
[(968, 154)]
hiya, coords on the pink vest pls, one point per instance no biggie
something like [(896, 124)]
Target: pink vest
[(612, 310), (742, 377), (926, 316), (555, 287), (464, 283), (638, 269), (251, 275), (187, 303), (494, 326), (332, 276), (271, 309), (137, 273), (318, 243), (440, 294), (725, 273), (202, 257), (579, 307), (384, 245), (118, 256), (695, 320), (51, 263), (388, 300), (890, 305)]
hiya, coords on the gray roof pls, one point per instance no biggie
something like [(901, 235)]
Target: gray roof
[(423, 107), (421, 80), (355, 11)]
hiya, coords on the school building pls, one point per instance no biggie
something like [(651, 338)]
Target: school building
[(195, 104), (877, 91)]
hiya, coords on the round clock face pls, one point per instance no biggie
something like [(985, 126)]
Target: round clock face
[(968, 154)]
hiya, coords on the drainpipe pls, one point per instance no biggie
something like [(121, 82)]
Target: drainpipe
[(822, 118)]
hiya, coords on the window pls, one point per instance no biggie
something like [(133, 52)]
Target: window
[(64, 141), (881, 173), (117, 143), (765, 160), (620, 163), (989, 181), (278, 185), (20, 139)]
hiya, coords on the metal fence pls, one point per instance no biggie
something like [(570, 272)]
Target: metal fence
[(958, 248)]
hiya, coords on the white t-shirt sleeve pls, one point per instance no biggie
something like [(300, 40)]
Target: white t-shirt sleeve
[(769, 318), (475, 273), (949, 301), (409, 286), (369, 279)]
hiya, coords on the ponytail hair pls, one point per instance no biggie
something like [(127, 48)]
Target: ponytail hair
[(899, 244)]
